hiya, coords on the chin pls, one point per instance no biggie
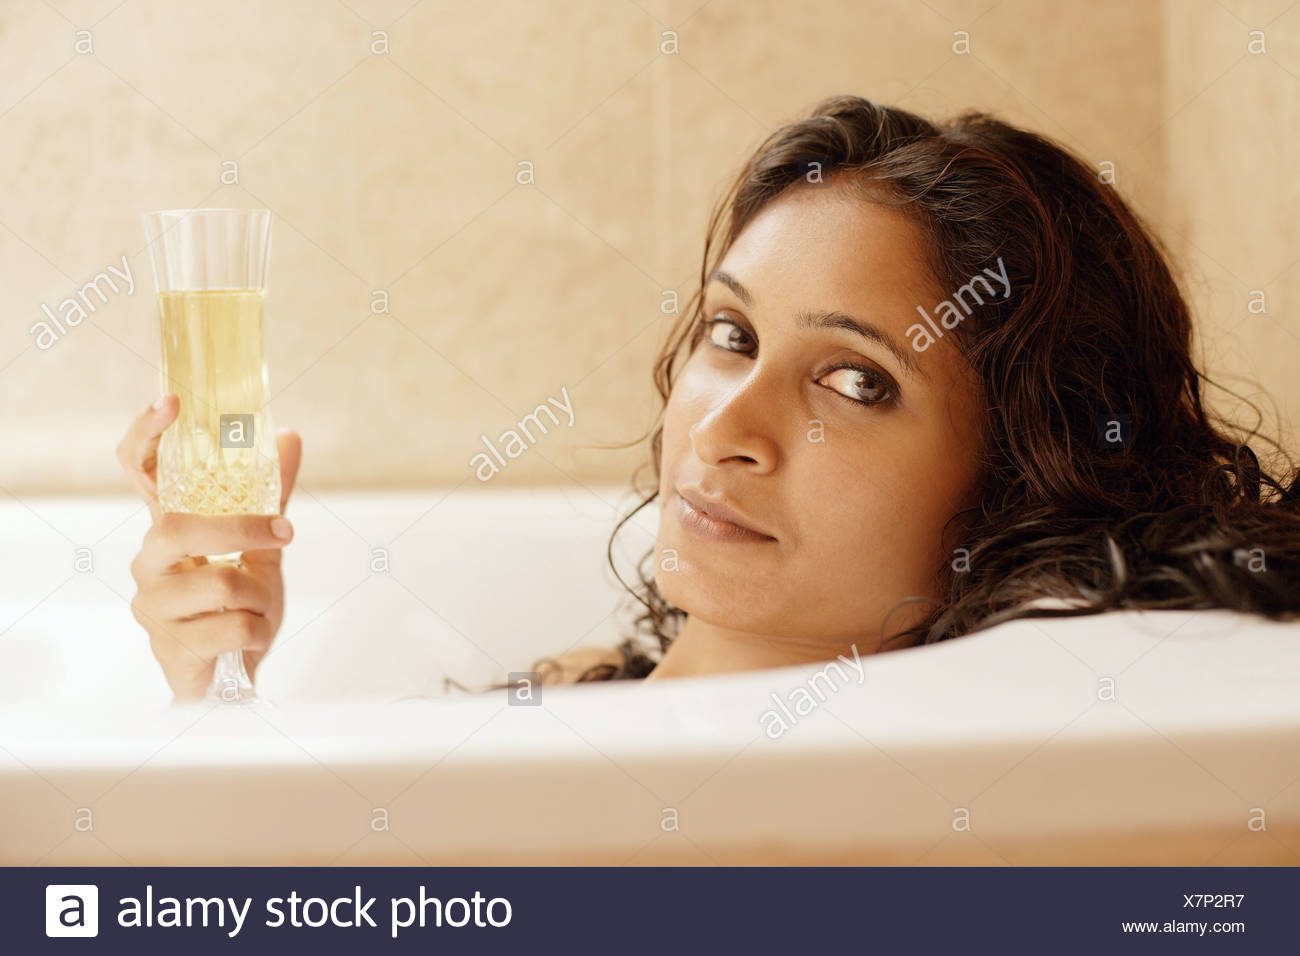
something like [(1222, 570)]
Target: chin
[(709, 597)]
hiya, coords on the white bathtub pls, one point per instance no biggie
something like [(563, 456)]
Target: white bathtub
[(995, 748)]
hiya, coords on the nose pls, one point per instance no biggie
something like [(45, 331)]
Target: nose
[(738, 429)]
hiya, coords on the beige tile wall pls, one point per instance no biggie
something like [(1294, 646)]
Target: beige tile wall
[(396, 171)]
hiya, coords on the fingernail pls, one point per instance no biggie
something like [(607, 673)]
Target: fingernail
[(159, 402), (281, 528)]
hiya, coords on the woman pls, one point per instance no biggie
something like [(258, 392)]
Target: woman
[(935, 377)]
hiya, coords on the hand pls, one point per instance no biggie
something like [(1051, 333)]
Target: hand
[(193, 610)]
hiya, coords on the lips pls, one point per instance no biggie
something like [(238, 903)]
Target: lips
[(714, 518)]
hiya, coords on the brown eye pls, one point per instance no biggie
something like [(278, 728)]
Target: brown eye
[(726, 334), (859, 384)]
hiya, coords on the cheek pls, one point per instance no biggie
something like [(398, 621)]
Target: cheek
[(849, 506), (672, 440), (687, 403), (881, 507)]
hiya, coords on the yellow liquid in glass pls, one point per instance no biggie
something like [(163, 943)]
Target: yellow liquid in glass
[(213, 358)]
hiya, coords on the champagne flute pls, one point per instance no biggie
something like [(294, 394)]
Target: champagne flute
[(219, 455)]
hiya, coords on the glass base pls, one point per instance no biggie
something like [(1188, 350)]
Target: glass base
[(230, 681)]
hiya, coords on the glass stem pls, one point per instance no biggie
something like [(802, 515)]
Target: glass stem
[(230, 681)]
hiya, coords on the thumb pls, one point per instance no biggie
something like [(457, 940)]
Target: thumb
[(288, 446)]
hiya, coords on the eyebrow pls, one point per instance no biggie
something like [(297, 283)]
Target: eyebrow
[(829, 320)]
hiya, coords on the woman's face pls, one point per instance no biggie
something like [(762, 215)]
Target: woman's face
[(848, 455)]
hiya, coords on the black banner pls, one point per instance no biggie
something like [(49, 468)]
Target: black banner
[(650, 910)]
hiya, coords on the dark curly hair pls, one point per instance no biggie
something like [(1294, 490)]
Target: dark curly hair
[(1180, 514)]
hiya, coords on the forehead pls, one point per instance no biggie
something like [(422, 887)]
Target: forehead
[(833, 247)]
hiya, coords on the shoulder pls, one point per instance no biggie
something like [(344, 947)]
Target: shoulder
[(566, 668)]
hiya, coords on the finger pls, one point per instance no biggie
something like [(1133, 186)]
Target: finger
[(175, 536), (289, 451), (187, 650), (138, 450), (205, 590), (214, 634), (179, 643), (288, 446)]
